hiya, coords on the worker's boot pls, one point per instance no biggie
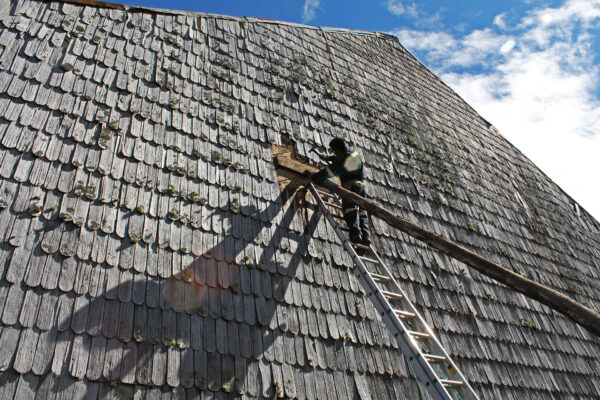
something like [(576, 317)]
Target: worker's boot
[(363, 219), (355, 237), (359, 247)]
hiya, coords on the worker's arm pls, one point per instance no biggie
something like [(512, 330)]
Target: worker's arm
[(323, 157), (319, 177), (335, 168)]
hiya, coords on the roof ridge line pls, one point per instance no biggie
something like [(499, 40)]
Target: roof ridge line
[(322, 28), (173, 12), (96, 3)]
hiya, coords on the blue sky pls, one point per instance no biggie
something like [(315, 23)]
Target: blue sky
[(530, 67)]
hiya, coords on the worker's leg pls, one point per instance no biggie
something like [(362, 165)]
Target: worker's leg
[(363, 218), (364, 226), (350, 211)]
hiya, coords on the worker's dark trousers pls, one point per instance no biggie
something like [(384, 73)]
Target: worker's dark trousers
[(356, 218)]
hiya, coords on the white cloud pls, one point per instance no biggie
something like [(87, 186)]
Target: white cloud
[(536, 82), (397, 7), (500, 21), (477, 47), (507, 46), (438, 45), (445, 51), (309, 11), (572, 11), (547, 24)]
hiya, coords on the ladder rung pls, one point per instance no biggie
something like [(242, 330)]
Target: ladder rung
[(404, 314), (419, 335), (385, 285), (326, 194), (434, 358), (391, 295), (360, 246), (449, 382), (369, 260), (377, 277)]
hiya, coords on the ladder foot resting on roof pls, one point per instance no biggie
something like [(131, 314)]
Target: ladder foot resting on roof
[(432, 365)]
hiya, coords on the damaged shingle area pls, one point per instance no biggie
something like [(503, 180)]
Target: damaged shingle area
[(146, 249)]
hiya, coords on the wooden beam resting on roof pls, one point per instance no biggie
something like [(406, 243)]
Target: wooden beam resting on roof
[(294, 165), (557, 301), (94, 3)]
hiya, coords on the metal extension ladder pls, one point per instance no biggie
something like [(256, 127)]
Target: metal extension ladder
[(432, 366)]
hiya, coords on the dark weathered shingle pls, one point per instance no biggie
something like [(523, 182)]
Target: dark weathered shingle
[(146, 248)]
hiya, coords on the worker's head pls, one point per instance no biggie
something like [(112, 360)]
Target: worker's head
[(338, 146)]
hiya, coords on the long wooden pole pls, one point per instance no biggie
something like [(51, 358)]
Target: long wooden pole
[(557, 301), (565, 305)]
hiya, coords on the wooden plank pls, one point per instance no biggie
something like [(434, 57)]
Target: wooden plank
[(44, 351), (26, 351), (286, 161), (112, 360), (559, 302), (99, 4), (97, 352), (79, 356), (128, 362), (63, 345)]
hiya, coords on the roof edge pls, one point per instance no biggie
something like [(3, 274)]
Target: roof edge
[(94, 3), (116, 6)]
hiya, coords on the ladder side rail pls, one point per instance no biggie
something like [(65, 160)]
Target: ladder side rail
[(440, 350), (386, 308), (408, 347), (364, 270)]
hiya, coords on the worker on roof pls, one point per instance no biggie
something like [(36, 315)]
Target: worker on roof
[(347, 166)]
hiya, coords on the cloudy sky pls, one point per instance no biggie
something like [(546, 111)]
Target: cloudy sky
[(529, 67)]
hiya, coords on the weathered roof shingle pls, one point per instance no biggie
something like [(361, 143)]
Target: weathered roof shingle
[(145, 248)]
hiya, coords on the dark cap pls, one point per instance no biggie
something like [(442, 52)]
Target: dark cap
[(338, 144)]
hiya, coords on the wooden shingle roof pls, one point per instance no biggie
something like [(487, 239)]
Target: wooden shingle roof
[(146, 249)]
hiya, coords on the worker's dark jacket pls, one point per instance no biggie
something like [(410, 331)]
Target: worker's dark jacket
[(348, 168)]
